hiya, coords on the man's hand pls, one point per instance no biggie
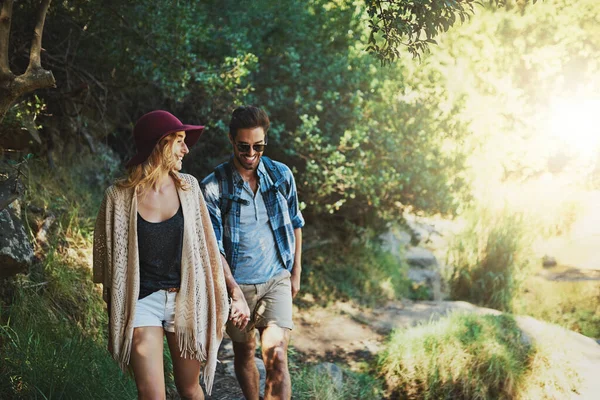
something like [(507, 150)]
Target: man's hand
[(297, 267), (295, 279), (240, 313)]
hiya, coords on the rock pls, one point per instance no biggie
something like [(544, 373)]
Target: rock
[(420, 257), (395, 241), (430, 279), (549, 261), (16, 253), (335, 373), (226, 350)]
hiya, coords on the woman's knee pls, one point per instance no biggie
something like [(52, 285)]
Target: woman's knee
[(150, 392), (190, 391)]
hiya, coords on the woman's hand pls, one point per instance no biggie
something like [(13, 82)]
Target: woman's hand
[(239, 314)]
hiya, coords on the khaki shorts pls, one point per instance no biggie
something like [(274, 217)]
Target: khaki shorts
[(270, 303)]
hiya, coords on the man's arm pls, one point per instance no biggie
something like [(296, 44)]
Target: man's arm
[(239, 313), (297, 268)]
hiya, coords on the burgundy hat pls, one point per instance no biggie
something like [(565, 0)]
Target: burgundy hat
[(154, 126)]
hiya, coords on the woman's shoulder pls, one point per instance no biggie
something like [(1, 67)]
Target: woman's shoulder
[(189, 179), (115, 192)]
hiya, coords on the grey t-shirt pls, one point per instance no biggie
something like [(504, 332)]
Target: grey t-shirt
[(258, 258)]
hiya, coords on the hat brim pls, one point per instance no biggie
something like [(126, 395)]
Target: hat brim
[(192, 134)]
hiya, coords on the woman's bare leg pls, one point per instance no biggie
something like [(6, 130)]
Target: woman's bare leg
[(186, 372), (147, 362)]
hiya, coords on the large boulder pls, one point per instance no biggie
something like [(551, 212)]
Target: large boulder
[(395, 242), (420, 257), (427, 283), (16, 253)]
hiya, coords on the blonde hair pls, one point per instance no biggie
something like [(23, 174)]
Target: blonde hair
[(161, 160)]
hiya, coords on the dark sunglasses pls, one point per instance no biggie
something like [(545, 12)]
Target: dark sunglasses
[(245, 147)]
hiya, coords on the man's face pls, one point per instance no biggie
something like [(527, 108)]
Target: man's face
[(245, 154)]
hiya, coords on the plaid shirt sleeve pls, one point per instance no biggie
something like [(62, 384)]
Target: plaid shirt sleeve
[(293, 204), (210, 190)]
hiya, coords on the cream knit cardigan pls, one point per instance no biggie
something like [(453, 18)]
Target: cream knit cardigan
[(201, 308)]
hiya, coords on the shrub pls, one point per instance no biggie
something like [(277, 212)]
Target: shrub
[(573, 305), (472, 357), (490, 259), (310, 384), (361, 271), (53, 321), (46, 355)]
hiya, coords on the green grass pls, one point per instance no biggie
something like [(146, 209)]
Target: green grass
[(573, 305), (490, 259), (53, 321), (470, 357), (361, 271), (46, 355), (310, 383)]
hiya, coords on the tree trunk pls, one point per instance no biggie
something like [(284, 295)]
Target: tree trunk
[(35, 77)]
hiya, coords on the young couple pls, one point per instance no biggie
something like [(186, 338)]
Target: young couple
[(184, 259)]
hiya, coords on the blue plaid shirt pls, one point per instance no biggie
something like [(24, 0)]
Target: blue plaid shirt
[(283, 211)]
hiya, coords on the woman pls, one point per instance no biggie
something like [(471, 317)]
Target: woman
[(156, 254)]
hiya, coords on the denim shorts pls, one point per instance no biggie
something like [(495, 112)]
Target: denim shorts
[(157, 309)]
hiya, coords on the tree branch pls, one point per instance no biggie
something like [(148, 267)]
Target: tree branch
[(36, 43), (5, 19)]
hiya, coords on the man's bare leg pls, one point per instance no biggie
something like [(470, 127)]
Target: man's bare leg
[(274, 343), (245, 368)]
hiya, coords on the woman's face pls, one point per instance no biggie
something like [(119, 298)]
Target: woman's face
[(180, 149)]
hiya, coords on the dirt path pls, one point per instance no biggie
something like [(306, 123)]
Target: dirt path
[(345, 332), (570, 274), (348, 334)]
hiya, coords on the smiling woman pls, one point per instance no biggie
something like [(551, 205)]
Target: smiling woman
[(576, 123), (154, 251)]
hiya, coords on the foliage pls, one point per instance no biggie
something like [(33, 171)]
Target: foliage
[(467, 356), (53, 321), (414, 24), (489, 260), (308, 383), (364, 140), (46, 354), (520, 69), (360, 271), (401, 152), (573, 305)]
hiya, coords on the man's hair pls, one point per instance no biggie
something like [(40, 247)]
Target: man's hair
[(247, 117)]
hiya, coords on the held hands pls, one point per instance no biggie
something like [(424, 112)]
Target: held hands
[(239, 314)]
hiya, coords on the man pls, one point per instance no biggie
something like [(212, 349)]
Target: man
[(253, 205)]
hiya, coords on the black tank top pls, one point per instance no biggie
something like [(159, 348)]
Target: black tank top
[(160, 247)]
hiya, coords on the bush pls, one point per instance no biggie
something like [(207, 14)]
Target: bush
[(360, 271), (53, 321), (310, 384), (572, 305), (471, 357), (45, 354), (490, 259)]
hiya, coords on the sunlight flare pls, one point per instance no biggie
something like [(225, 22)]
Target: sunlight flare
[(576, 123)]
